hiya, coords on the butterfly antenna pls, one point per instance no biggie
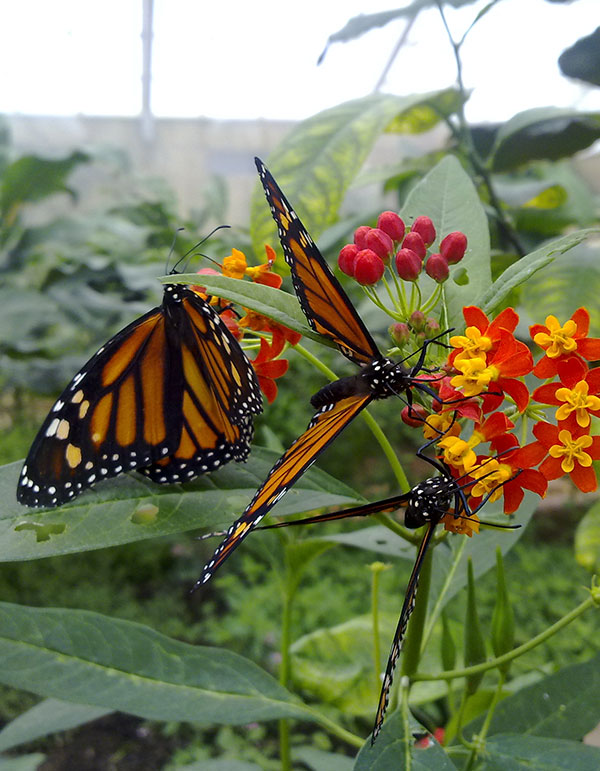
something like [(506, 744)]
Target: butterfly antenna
[(172, 249), (195, 246)]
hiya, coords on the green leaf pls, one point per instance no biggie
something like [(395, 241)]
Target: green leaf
[(48, 717), (23, 763), (31, 178), (219, 764), (388, 752), (513, 752), (116, 511), (274, 303), (582, 59), (520, 271), (543, 133), (448, 196), (97, 660), (318, 160), (587, 539), (565, 705), (503, 617)]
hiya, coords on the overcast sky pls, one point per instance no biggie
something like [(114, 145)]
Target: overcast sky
[(244, 60)]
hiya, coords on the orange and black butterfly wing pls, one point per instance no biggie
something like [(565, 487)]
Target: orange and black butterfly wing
[(407, 609), (120, 411), (323, 429), (156, 398), (322, 298), (220, 394)]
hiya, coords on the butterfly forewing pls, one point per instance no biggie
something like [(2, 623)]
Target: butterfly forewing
[(323, 429), (172, 395), (323, 300)]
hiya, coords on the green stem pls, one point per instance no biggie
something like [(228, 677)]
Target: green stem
[(388, 451), (376, 568), (284, 671), (414, 637), (439, 602), (479, 743), (317, 363), (401, 294), (506, 657)]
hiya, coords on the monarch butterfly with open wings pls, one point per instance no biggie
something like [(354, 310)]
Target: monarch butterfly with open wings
[(329, 312), (171, 395), (425, 504)]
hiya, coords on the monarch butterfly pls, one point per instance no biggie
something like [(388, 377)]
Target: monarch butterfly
[(171, 395), (426, 504), (329, 312)]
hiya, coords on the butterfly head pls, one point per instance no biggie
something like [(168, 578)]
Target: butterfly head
[(429, 501)]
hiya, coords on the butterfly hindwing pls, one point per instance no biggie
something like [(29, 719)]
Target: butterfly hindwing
[(322, 298), (323, 429), (172, 388)]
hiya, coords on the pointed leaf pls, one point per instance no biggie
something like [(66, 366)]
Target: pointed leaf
[(565, 705), (47, 717), (491, 299), (131, 508), (448, 196), (318, 160), (513, 752), (97, 660)]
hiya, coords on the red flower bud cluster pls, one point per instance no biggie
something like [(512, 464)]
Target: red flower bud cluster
[(373, 249)]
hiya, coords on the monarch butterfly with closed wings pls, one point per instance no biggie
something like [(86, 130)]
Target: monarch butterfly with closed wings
[(172, 395), (425, 504), (329, 312)]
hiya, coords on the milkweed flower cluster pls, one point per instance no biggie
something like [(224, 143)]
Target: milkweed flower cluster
[(268, 363), (484, 384)]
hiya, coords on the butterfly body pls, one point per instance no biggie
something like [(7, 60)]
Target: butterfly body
[(171, 395), (429, 501)]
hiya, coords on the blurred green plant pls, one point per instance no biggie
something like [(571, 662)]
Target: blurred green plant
[(82, 276)]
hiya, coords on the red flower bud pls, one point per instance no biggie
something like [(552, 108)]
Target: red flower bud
[(453, 247), (414, 416), (424, 227), (380, 243), (415, 242), (400, 333), (390, 223), (408, 264), (437, 267), (368, 267), (359, 236), (346, 259), (417, 321)]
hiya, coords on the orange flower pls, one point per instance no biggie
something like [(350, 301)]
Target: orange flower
[(577, 396), (569, 453), (268, 367), (561, 342)]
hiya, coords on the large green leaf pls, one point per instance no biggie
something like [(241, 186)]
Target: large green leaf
[(513, 752), (565, 705), (448, 196), (582, 59), (23, 763), (318, 160), (317, 760), (543, 133), (31, 178), (48, 717), (491, 299), (92, 659), (274, 303), (131, 508)]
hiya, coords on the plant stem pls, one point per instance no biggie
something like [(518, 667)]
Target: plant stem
[(376, 569), (506, 657), (480, 742), (439, 602), (284, 671)]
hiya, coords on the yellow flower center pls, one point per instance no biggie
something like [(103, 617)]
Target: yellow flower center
[(571, 450), (472, 343), (475, 377), (577, 400), (458, 453), (234, 265), (437, 424), (560, 340), (491, 476)]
